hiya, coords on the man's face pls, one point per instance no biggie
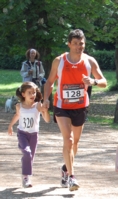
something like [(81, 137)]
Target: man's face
[(77, 46)]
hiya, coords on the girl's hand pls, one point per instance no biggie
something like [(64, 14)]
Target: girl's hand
[(10, 131), (45, 114), (44, 109)]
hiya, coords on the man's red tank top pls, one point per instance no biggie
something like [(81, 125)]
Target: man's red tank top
[(71, 92)]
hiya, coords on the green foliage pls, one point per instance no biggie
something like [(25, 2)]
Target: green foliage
[(11, 62), (106, 26), (114, 87), (14, 61), (45, 24), (17, 50), (48, 22), (105, 59)]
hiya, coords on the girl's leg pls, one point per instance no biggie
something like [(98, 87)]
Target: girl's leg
[(33, 144), (23, 143)]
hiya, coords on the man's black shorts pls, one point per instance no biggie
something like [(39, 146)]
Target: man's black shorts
[(77, 116)]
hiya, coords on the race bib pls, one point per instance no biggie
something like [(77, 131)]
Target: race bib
[(27, 121), (73, 93)]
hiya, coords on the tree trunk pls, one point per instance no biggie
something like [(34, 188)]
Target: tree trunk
[(116, 59), (33, 43), (116, 113), (116, 62), (47, 67)]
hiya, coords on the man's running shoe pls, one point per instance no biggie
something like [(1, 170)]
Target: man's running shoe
[(73, 185), (26, 183), (64, 177)]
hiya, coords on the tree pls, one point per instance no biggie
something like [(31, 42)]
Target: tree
[(106, 27), (45, 24)]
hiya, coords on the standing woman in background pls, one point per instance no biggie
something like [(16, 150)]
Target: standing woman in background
[(32, 69)]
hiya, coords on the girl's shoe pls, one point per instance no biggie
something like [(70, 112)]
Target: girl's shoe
[(26, 183)]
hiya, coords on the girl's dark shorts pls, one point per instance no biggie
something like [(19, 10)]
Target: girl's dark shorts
[(77, 116)]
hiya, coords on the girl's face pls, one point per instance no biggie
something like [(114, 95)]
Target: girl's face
[(29, 95)]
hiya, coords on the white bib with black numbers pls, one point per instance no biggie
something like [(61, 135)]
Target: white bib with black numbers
[(29, 119), (72, 93)]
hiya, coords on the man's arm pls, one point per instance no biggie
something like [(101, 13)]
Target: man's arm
[(97, 73), (48, 87)]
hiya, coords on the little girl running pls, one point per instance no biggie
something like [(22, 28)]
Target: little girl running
[(28, 113)]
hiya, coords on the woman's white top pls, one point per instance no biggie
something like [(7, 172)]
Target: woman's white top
[(33, 68), (29, 119), (27, 65)]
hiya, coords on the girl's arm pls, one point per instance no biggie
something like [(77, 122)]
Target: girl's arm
[(14, 120), (44, 112), (45, 115)]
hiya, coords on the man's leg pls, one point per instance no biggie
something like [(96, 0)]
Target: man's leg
[(76, 136), (64, 124)]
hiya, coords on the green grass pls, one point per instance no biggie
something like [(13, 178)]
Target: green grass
[(111, 81), (10, 80), (100, 119), (103, 121)]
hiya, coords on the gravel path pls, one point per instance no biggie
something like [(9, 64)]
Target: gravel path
[(94, 164)]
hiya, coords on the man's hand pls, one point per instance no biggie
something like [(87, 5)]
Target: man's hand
[(87, 80), (46, 104)]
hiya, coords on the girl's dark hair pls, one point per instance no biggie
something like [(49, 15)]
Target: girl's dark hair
[(76, 34), (24, 87), (28, 54)]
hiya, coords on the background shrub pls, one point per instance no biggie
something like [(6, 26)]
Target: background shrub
[(11, 62), (106, 59)]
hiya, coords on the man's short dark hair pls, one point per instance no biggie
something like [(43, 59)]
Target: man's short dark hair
[(76, 34)]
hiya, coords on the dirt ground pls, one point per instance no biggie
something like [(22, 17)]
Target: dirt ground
[(94, 163)]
